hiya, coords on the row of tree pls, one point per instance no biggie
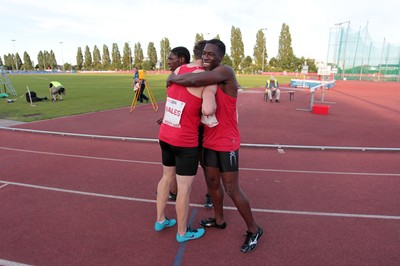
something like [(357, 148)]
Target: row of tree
[(94, 60)]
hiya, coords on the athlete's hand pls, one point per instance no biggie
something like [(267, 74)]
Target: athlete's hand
[(171, 76)]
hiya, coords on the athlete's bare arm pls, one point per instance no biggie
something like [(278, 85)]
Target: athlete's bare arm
[(221, 75)]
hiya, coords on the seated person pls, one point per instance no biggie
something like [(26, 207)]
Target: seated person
[(56, 90), (272, 89)]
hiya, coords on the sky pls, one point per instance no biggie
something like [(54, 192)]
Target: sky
[(65, 25)]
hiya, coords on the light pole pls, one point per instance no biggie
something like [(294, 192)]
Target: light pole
[(15, 55), (130, 57), (345, 45), (62, 56), (263, 52)]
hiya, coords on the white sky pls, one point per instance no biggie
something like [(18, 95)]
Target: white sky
[(43, 24)]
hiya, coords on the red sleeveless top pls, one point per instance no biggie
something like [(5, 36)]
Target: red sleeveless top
[(181, 120), (225, 136)]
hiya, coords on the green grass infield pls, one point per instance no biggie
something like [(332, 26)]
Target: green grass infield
[(87, 93)]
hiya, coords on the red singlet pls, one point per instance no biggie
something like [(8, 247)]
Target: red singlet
[(225, 136), (181, 121)]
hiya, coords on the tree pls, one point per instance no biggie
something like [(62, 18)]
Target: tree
[(311, 65), (88, 59), (96, 58), (165, 49), (260, 51), (139, 58), (237, 47), (273, 62), (152, 55), (227, 61), (40, 60), (247, 65), (115, 57), (27, 65), (106, 61), (8, 61), (285, 51), (46, 57), (126, 57), (198, 37), (51, 60), (19, 61), (79, 59)]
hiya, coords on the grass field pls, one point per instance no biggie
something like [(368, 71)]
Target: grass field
[(88, 93)]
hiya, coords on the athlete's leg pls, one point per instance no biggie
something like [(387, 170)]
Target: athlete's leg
[(163, 191), (182, 202), (214, 187), (239, 198), (216, 191), (186, 169)]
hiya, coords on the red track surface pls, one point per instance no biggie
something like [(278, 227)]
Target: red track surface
[(82, 201)]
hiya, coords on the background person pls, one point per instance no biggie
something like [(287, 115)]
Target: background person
[(56, 90), (272, 89), (139, 84)]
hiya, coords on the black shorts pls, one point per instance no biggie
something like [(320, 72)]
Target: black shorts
[(186, 160), (224, 161)]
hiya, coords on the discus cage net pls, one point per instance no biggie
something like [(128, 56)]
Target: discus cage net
[(356, 56)]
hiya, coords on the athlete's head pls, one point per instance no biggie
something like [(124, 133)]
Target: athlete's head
[(177, 57), (213, 53), (198, 49)]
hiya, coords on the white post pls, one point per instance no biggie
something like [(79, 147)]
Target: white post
[(15, 55), (62, 56)]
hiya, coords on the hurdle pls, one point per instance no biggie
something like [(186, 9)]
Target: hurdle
[(323, 85)]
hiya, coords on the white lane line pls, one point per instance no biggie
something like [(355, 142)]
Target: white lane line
[(241, 168), (252, 145), (288, 212), (319, 172), (79, 156), (11, 263)]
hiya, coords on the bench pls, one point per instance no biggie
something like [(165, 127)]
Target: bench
[(291, 96)]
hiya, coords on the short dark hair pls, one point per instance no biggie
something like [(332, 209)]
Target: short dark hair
[(198, 48), (181, 51), (219, 44)]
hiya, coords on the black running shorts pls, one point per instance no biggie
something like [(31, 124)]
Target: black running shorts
[(225, 161), (186, 160)]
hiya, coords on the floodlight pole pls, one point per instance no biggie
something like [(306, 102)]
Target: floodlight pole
[(345, 45), (263, 55), (15, 55), (62, 56)]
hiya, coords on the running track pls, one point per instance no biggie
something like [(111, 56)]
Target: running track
[(73, 200)]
